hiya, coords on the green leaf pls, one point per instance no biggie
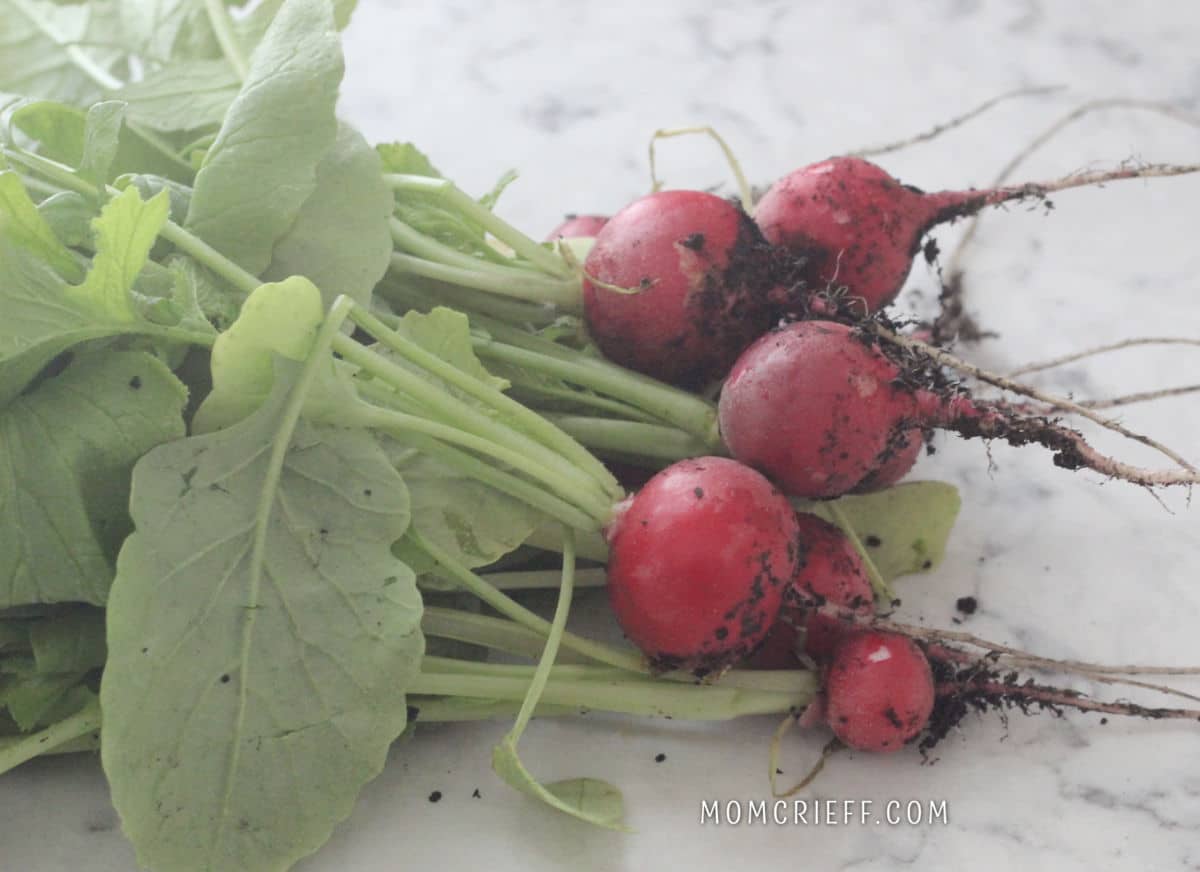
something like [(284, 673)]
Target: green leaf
[(445, 333), (69, 215), (26, 226), (125, 232), (253, 27), (197, 289), (68, 732), (57, 127), (589, 799), (71, 642), (151, 28), (260, 635), (476, 523), (188, 95), (58, 52), (66, 450), (340, 238), (44, 316), (14, 635), (101, 135), (32, 699), (263, 164), (406, 159), (278, 320), (61, 133), (904, 528)]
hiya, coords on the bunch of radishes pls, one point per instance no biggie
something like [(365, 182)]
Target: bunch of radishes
[(710, 565)]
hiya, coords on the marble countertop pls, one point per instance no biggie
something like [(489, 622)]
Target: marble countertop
[(1063, 564)]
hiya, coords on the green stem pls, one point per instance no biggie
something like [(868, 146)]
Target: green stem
[(528, 421), (503, 481), (390, 421), (80, 724), (630, 661), (413, 241), (570, 482), (405, 294), (545, 666), (205, 254), (222, 25), (497, 634), (541, 579), (885, 594), (570, 671), (534, 289), (670, 405), (453, 709), (635, 696), (590, 547), (544, 259), (630, 437), (530, 392)]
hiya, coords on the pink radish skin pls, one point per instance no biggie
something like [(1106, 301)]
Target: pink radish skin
[(905, 451), (860, 227), (832, 571), (575, 226), (696, 262), (815, 405), (814, 408), (698, 562), (878, 691)]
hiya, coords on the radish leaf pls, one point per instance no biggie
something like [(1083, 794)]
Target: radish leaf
[(904, 528), (66, 450), (260, 635), (263, 164), (340, 239)]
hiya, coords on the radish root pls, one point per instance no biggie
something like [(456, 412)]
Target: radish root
[(954, 321), (959, 120)]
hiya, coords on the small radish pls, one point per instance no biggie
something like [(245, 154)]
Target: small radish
[(878, 691), (815, 405), (901, 458), (860, 228), (698, 562), (677, 284), (832, 571), (576, 226)]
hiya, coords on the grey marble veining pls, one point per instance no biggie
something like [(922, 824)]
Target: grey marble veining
[(1064, 564)]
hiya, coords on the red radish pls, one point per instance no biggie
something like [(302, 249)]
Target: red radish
[(832, 572), (698, 562), (814, 405), (577, 225), (902, 457), (861, 228), (878, 691), (677, 284)]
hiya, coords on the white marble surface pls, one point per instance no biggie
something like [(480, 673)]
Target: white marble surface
[(1063, 564)]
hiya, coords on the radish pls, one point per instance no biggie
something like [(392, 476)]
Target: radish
[(817, 406), (878, 691), (860, 228), (576, 226), (678, 283), (899, 461), (832, 572), (698, 562)]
